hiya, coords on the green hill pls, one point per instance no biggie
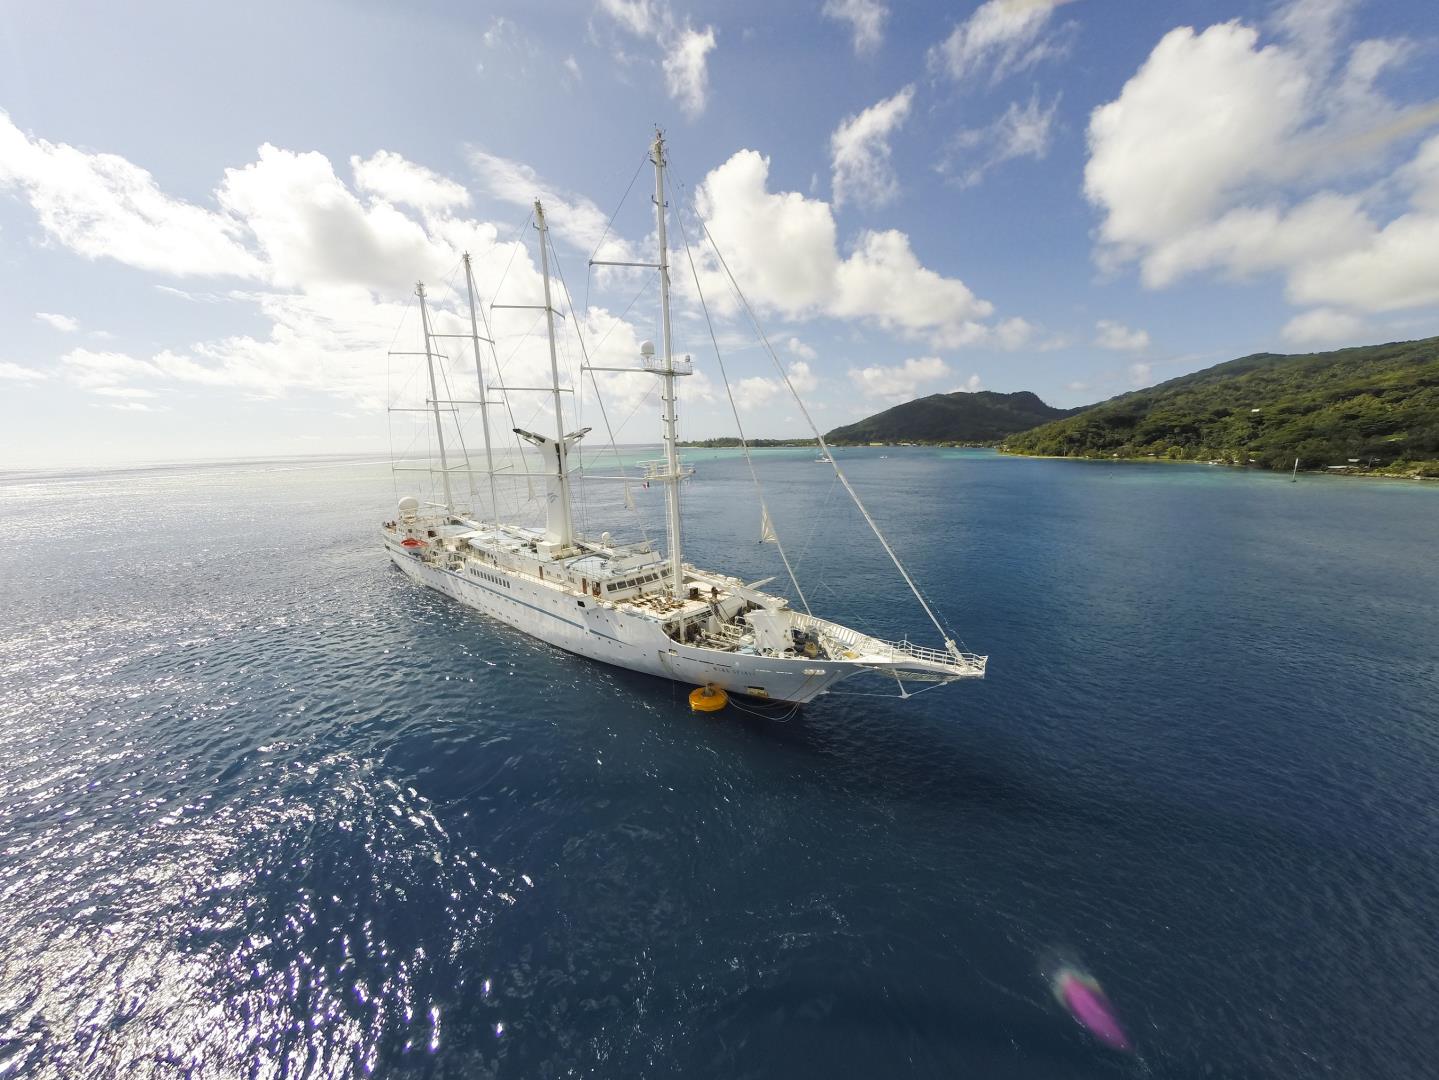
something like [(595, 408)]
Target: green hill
[(983, 416), (1379, 402)]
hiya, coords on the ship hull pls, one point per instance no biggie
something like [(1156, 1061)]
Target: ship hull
[(606, 633)]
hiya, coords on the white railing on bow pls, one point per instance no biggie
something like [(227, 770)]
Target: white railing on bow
[(961, 663)]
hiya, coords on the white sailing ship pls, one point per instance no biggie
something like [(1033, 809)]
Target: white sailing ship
[(629, 604)]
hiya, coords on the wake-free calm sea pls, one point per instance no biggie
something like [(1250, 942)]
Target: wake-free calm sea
[(269, 809)]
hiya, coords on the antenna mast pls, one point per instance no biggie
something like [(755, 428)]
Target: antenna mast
[(435, 398), (563, 526), (484, 390), (667, 374)]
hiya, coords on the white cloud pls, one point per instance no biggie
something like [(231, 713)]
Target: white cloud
[(900, 382), (573, 67), (755, 391), (883, 280), (758, 390), (102, 206), (1139, 374), (573, 218), (796, 347), (686, 71), (499, 30), (782, 246), (1217, 153), (333, 269), (642, 18), (1013, 334), (394, 179), (783, 249), (1392, 269), (314, 232), (972, 385), (1023, 131), (685, 50), (1076, 387), (123, 392), (1004, 35), (1197, 121), (802, 378), (1323, 326), (93, 370), (1114, 335), (19, 372), (64, 323), (1315, 27), (859, 152), (865, 17)]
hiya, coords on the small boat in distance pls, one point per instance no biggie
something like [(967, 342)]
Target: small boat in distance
[(629, 604)]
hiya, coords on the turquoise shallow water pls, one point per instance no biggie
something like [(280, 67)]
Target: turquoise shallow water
[(268, 810)]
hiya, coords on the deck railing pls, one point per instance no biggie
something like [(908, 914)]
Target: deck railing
[(961, 663)]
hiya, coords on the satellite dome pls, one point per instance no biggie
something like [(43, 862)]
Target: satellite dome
[(647, 348), (408, 505)]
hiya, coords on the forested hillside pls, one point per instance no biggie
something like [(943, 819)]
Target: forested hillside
[(983, 416), (1378, 402)]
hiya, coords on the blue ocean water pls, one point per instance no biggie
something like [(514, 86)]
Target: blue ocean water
[(267, 809)]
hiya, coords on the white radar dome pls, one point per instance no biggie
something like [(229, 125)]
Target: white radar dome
[(647, 348), (409, 504)]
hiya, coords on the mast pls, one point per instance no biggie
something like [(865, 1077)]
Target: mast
[(435, 398), (484, 390), (671, 437), (563, 527)]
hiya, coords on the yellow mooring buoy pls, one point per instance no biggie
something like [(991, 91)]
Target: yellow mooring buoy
[(708, 699)]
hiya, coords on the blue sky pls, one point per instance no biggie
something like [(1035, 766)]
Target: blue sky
[(211, 217)]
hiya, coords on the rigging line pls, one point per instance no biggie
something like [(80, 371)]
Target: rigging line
[(460, 435), (589, 270), (500, 381), (522, 231), (644, 158), (818, 519), (509, 409), (599, 398), (778, 718), (485, 391), (390, 392), (619, 320), (744, 444), (874, 527), (649, 397)]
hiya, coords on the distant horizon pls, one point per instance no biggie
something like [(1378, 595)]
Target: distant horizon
[(1073, 199)]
